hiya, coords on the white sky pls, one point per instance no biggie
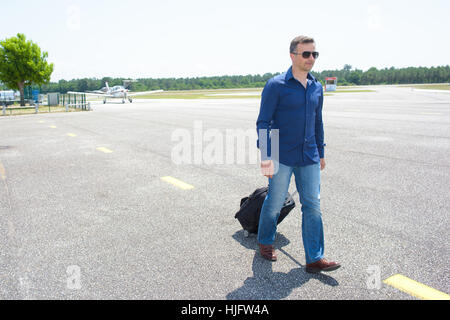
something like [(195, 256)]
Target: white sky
[(174, 38)]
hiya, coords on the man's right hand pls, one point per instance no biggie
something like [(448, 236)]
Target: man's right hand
[(267, 168)]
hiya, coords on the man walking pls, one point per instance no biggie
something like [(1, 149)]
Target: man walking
[(292, 103)]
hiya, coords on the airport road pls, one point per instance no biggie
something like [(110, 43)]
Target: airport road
[(93, 206)]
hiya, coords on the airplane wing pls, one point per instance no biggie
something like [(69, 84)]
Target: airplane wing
[(97, 91), (92, 94), (133, 94)]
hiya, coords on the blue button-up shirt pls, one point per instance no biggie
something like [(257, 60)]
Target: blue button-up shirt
[(297, 113)]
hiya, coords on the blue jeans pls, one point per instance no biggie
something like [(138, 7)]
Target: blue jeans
[(307, 181)]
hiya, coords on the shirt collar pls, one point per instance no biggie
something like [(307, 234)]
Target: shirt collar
[(290, 76)]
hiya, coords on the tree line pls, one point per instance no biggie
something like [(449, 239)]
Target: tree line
[(346, 76), (410, 75), (218, 82)]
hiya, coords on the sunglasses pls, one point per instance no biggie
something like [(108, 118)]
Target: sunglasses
[(307, 54)]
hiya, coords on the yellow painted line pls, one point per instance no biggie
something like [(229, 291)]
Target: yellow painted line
[(2, 172), (178, 183), (71, 134), (53, 127), (41, 121), (415, 288), (105, 150)]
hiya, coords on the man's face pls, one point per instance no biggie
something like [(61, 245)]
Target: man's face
[(301, 63)]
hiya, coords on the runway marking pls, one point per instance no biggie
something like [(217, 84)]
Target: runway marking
[(41, 121), (178, 183), (415, 288), (71, 134), (53, 127), (105, 150)]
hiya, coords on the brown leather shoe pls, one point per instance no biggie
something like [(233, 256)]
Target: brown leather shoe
[(322, 265), (268, 252)]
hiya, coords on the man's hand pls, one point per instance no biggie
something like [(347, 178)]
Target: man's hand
[(322, 163), (267, 168)]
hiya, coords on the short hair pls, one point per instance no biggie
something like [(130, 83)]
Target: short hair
[(298, 40)]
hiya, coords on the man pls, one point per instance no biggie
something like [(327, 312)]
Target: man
[(292, 103)]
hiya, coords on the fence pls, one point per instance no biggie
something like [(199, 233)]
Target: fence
[(75, 101)]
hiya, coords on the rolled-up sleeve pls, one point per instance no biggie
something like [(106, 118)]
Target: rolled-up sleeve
[(319, 128), (269, 101)]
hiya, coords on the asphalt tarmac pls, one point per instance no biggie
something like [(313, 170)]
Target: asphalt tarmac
[(85, 213)]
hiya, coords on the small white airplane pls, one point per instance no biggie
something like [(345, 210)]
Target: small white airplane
[(118, 92)]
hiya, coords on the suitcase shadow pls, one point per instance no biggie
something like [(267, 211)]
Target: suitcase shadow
[(267, 284)]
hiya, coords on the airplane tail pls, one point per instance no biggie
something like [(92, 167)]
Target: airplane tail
[(107, 86), (126, 83)]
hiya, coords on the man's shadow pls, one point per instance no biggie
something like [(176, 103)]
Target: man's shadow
[(266, 284)]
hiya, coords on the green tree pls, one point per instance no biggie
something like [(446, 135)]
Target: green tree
[(22, 63), (347, 67)]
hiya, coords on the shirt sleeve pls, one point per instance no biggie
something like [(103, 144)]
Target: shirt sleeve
[(269, 101), (319, 128)]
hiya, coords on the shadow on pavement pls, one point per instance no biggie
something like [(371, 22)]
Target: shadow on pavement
[(266, 284)]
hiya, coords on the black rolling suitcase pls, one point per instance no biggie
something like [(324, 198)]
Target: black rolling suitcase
[(250, 210)]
